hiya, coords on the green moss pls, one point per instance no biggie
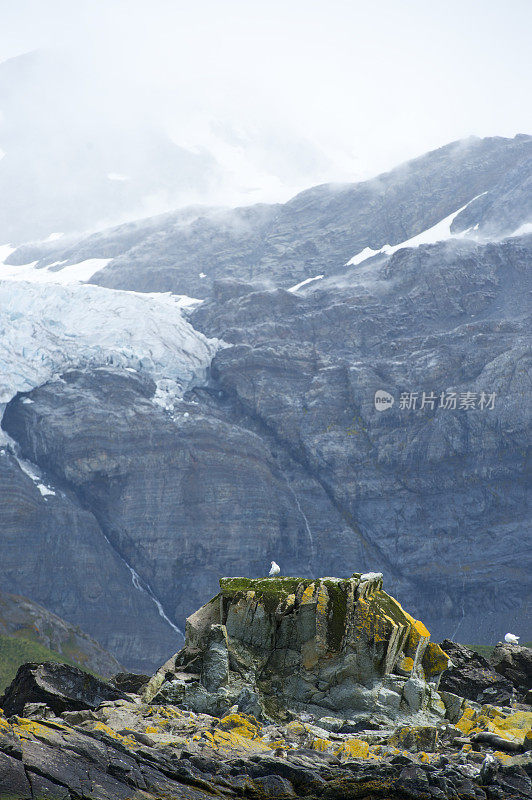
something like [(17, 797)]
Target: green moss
[(269, 591), (383, 602), (338, 592), (282, 587)]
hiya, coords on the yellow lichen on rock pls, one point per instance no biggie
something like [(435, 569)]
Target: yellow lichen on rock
[(229, 741), (513, 727), (435, 660), (322, 745), (241, 724), (406, 664), (353, 748), (466, 723)]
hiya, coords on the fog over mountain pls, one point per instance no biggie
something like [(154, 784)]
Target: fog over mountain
[(116, 111)]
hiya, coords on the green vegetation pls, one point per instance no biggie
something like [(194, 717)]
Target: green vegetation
[(15, 651)]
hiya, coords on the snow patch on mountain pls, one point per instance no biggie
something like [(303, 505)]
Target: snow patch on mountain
[(82, 271), (31, 471), (46, 328), (304, 283), (438, 232)]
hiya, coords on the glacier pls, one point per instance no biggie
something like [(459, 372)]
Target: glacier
[(46, 328)]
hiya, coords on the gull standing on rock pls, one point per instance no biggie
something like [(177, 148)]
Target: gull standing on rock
[(274, 569), (511, 638)]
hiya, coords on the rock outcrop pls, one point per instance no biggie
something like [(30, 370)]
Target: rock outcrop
[(514, 662), (329, 647), (316, 688), (472, 676)]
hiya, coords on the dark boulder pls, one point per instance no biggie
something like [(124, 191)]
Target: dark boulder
[(472, 676), (514, 662), (129, 681), (60, 686)]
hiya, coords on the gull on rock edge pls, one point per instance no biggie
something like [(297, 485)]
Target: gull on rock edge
[(274, 569), (511, 638)]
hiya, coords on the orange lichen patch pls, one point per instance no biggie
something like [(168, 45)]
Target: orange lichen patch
[(503, 757), (421, 629), (370, 623), (515, 725), (166, 711), (240, 724), (126, 740), (417, 638), (434, 660), (323, 599), (406, 664), (350, 748), (152, 729), (26, 728)]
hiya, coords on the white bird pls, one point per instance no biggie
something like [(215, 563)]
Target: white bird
[(274, 569), (511, 638)]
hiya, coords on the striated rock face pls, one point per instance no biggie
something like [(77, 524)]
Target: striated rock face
[(54, 551), (180, 500), (326, 646)]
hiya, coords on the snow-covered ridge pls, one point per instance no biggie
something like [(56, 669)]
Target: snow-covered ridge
[(438, 233), (46, 328)]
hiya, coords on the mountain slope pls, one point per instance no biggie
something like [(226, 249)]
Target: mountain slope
[(29, 632), (317, 231)]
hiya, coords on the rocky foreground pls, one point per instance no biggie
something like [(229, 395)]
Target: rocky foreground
[(285, 688)]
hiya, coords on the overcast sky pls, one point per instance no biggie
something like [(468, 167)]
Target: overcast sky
[(346, 88)]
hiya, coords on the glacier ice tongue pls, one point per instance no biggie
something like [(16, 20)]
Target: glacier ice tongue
[(46, 328)]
